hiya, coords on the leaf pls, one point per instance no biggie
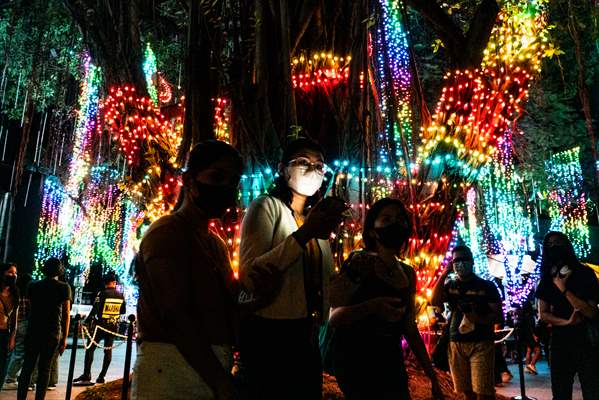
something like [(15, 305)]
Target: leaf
[(553, 51), (437, 44)]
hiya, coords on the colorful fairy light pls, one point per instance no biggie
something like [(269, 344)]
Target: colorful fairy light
[(86, 219), (151, 73), (475, 110), (135, 123), (392, 52), (477, 106), (567, 200), (165, 92), (319, 70), (80, 160), (222, 115), (507, 225)]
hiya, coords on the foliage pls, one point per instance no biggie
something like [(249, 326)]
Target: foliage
[(554, 120), (40, 53)]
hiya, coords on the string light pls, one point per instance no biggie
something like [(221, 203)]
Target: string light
[(567, 200), (222, 112), (320, 70), (392, 52), (151, 73), (477, 106)]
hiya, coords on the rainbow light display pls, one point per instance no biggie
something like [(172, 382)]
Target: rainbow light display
[(89, 218), (567, 200), (391, 52), (467, 131), (505, 232), (477, 106), (473, 114)]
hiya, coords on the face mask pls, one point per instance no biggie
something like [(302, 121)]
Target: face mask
[(463, 268), (304, 181), (10, 280), (392, 236), (214, 200)]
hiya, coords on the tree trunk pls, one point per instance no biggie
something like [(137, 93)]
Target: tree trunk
[(583, 90), (464, 50), (290, 116), (110, 29)]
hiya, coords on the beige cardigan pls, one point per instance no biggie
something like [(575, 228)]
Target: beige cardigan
[(266, 238)]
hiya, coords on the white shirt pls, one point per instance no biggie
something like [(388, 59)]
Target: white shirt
[(266, 239)]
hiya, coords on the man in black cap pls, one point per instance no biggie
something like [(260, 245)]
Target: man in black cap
[(48, 328), (102, 320)]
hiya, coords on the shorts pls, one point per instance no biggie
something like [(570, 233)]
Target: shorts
[(472, 367), (161, 373)]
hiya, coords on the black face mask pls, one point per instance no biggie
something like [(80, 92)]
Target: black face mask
[(214, 200), (10, 280), (393, 236)]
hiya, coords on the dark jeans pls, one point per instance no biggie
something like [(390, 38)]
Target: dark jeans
[(280, 359), (568, 358), (89, 353), (41, 350), (4, 355), (372, 369)]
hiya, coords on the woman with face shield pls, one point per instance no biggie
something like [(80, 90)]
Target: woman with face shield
[(373, 307), (568, 294), (288, 228)]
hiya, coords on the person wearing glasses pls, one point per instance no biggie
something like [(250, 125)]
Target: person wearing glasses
[(288, 228), (475, 306)]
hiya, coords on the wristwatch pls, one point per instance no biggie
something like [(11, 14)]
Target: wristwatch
[(564, 291)]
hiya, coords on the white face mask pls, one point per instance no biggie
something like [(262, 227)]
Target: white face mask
[(304, 181)]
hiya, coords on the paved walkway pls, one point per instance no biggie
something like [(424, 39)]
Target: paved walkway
[(538, 386), (115, 372)]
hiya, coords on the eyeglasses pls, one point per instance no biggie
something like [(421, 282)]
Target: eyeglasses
[(303, 162)]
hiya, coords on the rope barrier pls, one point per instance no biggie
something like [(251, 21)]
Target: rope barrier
[(91, 340), (509, 331)]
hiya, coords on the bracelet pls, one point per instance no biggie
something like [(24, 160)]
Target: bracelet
[(564, 291)]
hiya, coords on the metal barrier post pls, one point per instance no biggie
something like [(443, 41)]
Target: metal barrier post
[(518, 327), (73, 356), (125, 389)]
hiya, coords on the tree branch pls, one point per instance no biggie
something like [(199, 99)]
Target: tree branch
[(480, 30), (308, 9), (450, 34), (464, 50)]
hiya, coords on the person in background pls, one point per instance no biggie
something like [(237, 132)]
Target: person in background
[(373, 306), (529, 337), (48, 329), (187, 308), (476, 307), (104, 318), (289, 228), (18, 353), (568, 293), (9, 302), (502, 372)]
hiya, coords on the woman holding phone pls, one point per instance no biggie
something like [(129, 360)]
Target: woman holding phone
[(568, 294), (289, 228), (373, 301)]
